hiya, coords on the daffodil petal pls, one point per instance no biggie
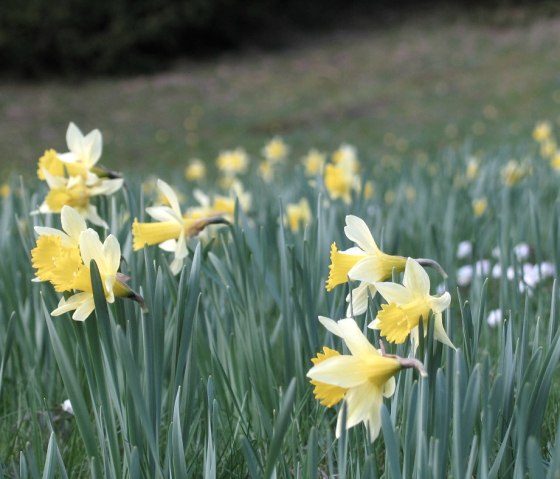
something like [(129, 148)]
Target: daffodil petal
[(90, 247), (163, 214), (439, 331), (72, 222), (343, 371), (84, 310), (394, 293), (358, 300), (415, 278), (170, 195), (357, 231), (440, 303)]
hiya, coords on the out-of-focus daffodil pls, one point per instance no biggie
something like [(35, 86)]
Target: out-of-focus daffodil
[(542, 131), (314, 162), (266, 170), (369, 190), (479, 206), (408, 304), (361, 379), (339, 183), (275, 150), (298, 214), (365, 263), (195, 170), (77, 192), (5, 190), (346, 158), (513, 172), (472, 168), (172, 228), (63, 258), (233, 162)]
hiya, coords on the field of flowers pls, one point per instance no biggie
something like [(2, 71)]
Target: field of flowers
[(274, 316)]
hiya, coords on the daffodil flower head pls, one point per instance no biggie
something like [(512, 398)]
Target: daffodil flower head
[(313, 162), (195, 170), (408, 304), (172, 228), (339, 183), (298, 214), (365, 263), (233, 162), (275, 150), (361, 379), (77, 191), (63, 258)]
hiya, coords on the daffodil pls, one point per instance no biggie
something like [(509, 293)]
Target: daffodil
[(479, 206), (298, 214), (77, 192), (275, 150), (172, 228), (408, 304), (361, 379), (345, 157), (542, 131), (313, 162), (339, 182), (365, 263), (233, 162), (63, 258), (195, 170)]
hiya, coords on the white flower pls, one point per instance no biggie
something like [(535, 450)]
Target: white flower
[(67, 406), (482, 267), (522, 251), (497, 271), (464, 249), (494, 318), (465, 275)]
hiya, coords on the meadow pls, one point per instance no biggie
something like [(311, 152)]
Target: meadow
[(207, 374)]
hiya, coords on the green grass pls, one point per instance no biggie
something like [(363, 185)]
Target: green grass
[(210, 380), (401, 91)]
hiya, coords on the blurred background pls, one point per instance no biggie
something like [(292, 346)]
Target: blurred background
[(168, 81)]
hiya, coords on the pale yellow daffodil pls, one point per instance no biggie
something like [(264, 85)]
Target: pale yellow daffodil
[(365, 263), (408, 304), (172, 228), (361, 379), (63, 258)]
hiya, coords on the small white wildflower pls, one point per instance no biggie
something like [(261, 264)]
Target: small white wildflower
[(531, 275), (464, 249), (496, 252), (465, 275), (510, 273), (522, 251), (497, 271), (494, 318), (67, 406), (440, 289), (482, 267), (547, 269)]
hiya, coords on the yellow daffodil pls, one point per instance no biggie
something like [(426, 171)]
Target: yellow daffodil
[(369, 190), (472, 168), (339, 183), (298, 214), (266, 170), (76, 192), (513, 172), (275, 150), (408, 304), (172, 228), (195, 170), (233, 162), (361, 379), (346, 158), (555, 161), (63, 258), (5, 190), (313, 162), (542, 131), (365, 263), (479, 206)]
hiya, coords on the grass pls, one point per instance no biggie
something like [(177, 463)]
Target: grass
[(210, 379), (402, 91)]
